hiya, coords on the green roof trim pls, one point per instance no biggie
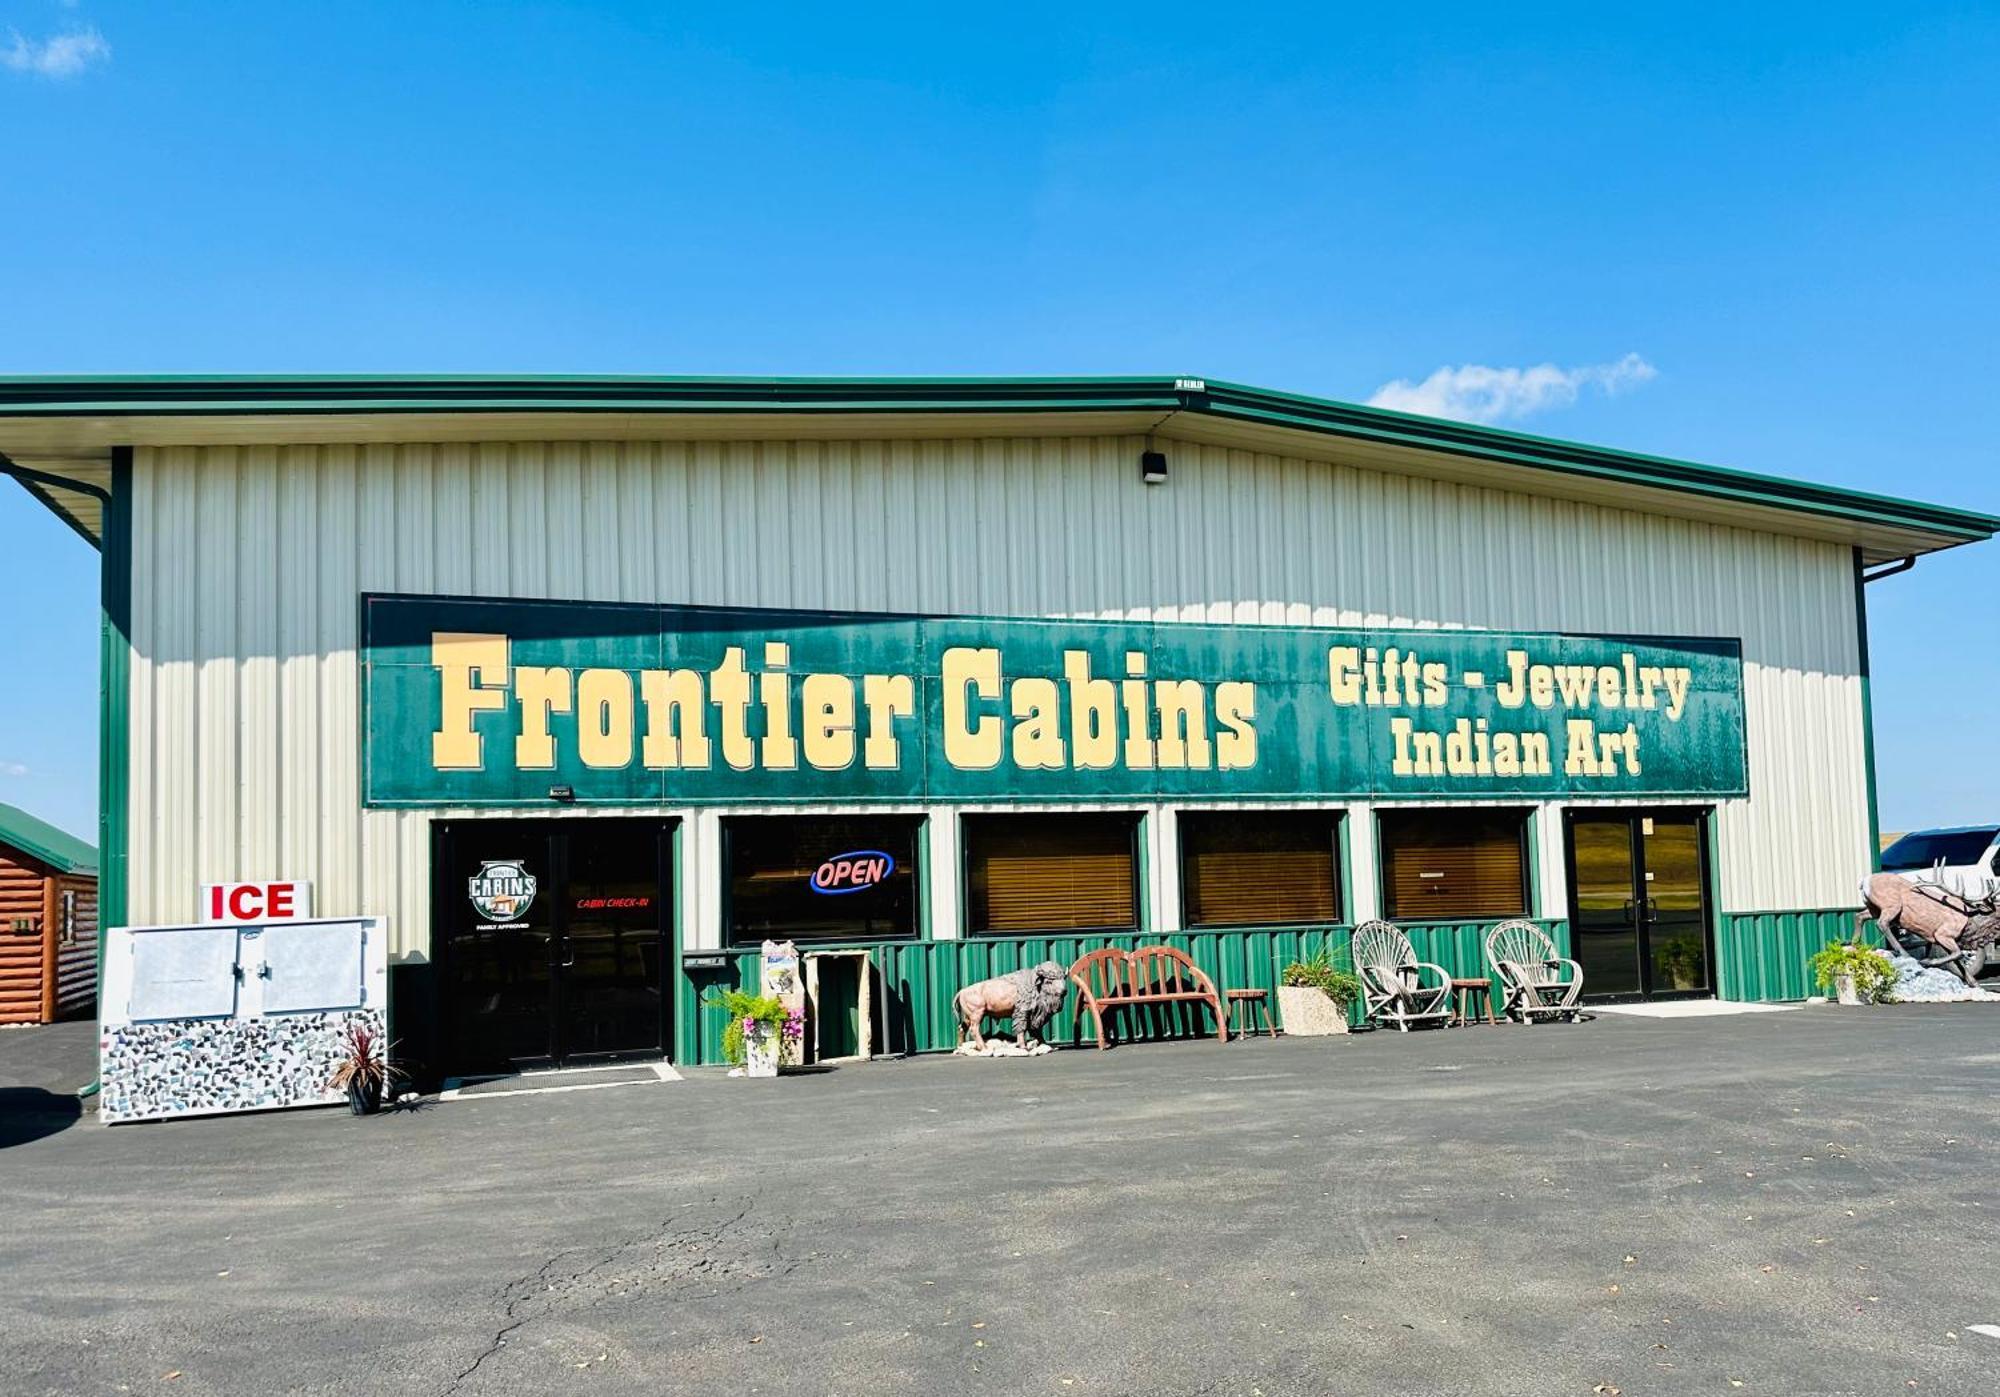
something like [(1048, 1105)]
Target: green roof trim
[(198, 396), (40, 840)]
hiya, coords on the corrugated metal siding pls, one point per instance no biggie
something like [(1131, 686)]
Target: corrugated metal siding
[(23, 893), (1764, 955), (248, 563), (1459, 948), (920, 978)]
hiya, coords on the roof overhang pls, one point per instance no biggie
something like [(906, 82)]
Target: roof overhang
[(64, 429), (60, 850)]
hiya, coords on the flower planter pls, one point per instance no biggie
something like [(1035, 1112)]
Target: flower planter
[(1844, 991), (363, 1098), (760, 1051), (1306, 1012)]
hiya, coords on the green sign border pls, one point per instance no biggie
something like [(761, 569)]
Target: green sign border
[(1710, 760)]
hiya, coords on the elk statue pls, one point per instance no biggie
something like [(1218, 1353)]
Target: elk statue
[(1933, 925)]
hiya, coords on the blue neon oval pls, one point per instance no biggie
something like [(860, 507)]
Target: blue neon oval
[(888, 867)]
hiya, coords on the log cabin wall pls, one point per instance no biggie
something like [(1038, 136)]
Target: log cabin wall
[(70, 958), (48, 941), (23, 906)]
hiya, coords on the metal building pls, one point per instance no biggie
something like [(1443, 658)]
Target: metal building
[(1434, 672)]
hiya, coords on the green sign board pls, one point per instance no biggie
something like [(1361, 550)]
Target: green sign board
[(478, 702)]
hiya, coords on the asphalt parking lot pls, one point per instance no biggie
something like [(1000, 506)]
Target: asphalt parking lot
[(1789, 1203)]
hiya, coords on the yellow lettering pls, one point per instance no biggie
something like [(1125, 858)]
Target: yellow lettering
[(1038, 744), (964, 670), (886, 696), (604, 718), (1581, 758), (1677, 678), (541, 691), (1535, 756), (1093, 715), (1400, 764), (1183, 709), (1138, 723), (1434, 688), (676, 733), (1236, 712), (729, 687), (828, 700), (473, 670), (774, 689), (1343, 667)]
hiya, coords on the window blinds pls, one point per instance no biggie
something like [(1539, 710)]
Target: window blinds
[(1050, 872), (1259, 868), (1450, 864)]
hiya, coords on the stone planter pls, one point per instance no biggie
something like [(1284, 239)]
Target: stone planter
[(1844, 991), (760, 1051), (1307, 1013)]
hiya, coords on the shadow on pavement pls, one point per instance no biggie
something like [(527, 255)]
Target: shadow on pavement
[(30, 1113)]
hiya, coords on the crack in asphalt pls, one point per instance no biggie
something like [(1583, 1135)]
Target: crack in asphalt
[(705, 1253)]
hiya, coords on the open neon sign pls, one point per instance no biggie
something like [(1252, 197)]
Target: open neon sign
[(852, 872)]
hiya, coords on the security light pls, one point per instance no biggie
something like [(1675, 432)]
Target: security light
[(1153, 467)]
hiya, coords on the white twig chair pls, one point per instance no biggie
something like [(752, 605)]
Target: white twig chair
[(1396, 987), (1535, 982)]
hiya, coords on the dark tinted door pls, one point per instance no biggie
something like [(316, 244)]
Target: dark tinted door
[(553, 940), (614, 939), (494, 908)]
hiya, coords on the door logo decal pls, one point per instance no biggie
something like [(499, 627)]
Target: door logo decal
[(502, 890)]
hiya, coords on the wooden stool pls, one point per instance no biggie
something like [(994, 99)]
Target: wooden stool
[(1259, 1002), (1468, 996)]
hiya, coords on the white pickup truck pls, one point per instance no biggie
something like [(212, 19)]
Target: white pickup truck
[(1965, 860)]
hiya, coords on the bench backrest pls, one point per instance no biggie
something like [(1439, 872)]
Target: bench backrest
[(1164, 970), (1110, 973), (1102, 972)]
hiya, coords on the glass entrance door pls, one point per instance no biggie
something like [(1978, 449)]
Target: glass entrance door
[(614, 941), (1639, 902), (493, 924), (552, 939)]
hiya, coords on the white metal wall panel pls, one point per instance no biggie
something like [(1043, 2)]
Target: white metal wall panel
[(249, 561)]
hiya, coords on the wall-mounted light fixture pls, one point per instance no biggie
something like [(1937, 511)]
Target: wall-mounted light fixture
[(1153, 467)]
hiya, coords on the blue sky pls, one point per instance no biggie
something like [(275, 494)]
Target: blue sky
[(1788, 214)]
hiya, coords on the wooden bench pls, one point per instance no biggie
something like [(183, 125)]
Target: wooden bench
[(1114, 979)]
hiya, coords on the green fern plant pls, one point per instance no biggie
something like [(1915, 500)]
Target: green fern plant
[(741, 1005), (1871, 971)]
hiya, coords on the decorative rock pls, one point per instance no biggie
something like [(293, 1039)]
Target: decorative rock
[(1917, 984)]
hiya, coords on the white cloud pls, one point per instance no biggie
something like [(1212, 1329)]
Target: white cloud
[(59, 56), (8, 768), (1477, 393)]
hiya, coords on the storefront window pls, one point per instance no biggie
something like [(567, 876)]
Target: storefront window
[(1054, 872), (1447, 865), (1259, 867), (821, 878)]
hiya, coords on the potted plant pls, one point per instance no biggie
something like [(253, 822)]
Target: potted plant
[(363, 1070), (1856, 974), (1680, 957), (758, 1025), (1314, 996)]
